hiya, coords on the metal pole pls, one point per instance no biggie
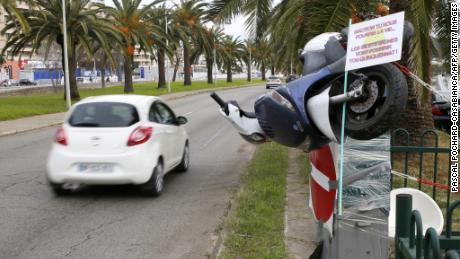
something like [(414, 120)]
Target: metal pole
[(342, 143), (215, 65), (403, 214), (167, 44), (250, 63), (66, 55)]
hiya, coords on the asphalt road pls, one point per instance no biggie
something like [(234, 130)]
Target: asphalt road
[(117, 222)]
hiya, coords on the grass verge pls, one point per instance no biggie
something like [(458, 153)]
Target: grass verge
[(14, 107), (255, 229)]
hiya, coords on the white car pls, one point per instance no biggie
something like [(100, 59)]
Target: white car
[(118, 139), (273, 81)]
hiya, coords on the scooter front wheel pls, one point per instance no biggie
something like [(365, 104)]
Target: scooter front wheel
[(377, 111)]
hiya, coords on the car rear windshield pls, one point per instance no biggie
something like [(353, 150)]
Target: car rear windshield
[(273, 78), (104, 114)]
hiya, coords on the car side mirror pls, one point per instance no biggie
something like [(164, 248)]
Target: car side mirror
[(181, 120)]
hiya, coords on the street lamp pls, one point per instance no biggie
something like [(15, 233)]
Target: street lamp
[(66, 55)]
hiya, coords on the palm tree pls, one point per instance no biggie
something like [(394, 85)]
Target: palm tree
[(249, 49), (417, 55), (84, 26), (129, 19), (231, 51), (187, 19), (257, 13), (205, 44), (158, 17), (287, 31), (10, 6), (262, 55)]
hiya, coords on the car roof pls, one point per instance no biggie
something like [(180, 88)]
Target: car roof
[(133, 99), (141, 102)]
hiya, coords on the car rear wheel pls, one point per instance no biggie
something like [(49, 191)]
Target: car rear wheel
[(154, 186), (185, 163), (59, 190)]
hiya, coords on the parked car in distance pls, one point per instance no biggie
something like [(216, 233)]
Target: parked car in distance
[(441, 113), (26, 82), (273, 81), (9, 82), (118, 139), (290, 78)]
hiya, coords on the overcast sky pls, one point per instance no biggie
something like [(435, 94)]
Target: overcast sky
[(235, 28)]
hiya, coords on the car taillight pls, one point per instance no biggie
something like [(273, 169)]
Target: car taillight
[(140, 135), (436, 111), (60, 137)]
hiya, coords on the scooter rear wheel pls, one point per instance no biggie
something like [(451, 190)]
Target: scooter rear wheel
[(384, 98)]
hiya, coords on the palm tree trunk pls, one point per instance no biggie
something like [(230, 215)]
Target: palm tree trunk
[(209, 65), (263, 71), (74, 94), (104, 61), (418, 116), (128, 74), (187, 67), (161, 68), (103, 77), (249, 72), (176, 67), (229, 74)]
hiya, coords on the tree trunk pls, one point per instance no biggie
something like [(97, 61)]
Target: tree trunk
[(187, 67), (161, 68), (272, 69), (229, 74), (263, 71), (209, 65), (418, 116), (128, 74), (74, 94), (176, 67), (104, 62), (249, 72), (103, 77)]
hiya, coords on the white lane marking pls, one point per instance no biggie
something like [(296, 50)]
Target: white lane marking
[(188, 113), (218, 132)]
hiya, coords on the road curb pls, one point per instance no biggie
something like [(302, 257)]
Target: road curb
[(179, 96), (219, 237), (14, 132)]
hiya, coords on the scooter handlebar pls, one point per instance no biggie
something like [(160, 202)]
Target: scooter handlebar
[(218, 100)]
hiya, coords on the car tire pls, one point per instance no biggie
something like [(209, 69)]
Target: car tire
[(185, 162), (59, 190), (154, 186)]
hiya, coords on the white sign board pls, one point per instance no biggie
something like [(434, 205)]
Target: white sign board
[(375, 42)]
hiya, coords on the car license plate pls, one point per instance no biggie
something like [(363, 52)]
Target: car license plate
[(95, 168)]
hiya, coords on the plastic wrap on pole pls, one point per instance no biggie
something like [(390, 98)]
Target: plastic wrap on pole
[(372, 191)]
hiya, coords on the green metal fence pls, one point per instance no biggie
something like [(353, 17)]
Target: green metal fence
[(429, 144), (410, 243)]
